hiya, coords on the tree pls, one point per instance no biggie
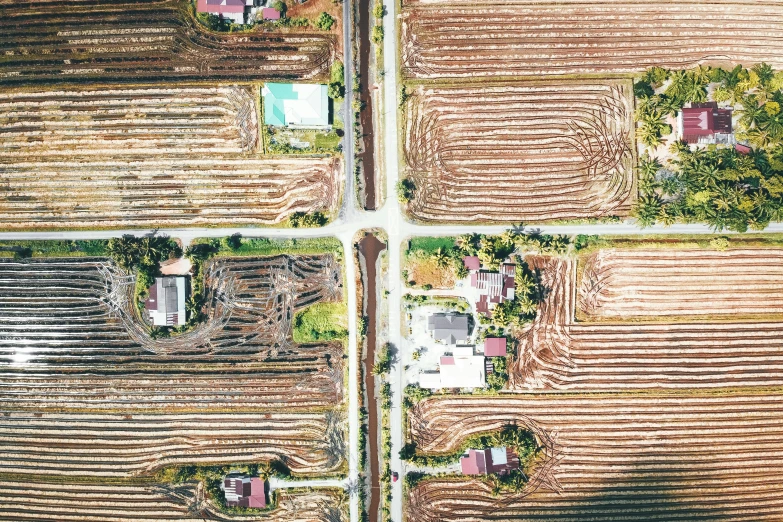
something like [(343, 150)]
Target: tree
[(324, 21), (406, 190), (377, 34), (233, 242), (337, 80), (441, 258), (646, 210)]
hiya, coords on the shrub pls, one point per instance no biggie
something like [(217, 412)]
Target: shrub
[(377, 34), (379, 10), (324, 22), (307, 220), (406, 189)]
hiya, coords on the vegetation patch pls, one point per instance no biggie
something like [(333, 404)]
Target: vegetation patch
[(53, 248), (321, 322)]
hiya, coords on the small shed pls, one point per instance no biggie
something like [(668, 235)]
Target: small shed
[(495, 347), (472, 262), (268, 13)]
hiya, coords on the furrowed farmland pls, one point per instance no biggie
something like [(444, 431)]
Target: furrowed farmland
[(441, 39), (100, 410), (520, 151), (71, 339), (610, 457), (672, 360), (78, 41), (26, 500), (152, 157)]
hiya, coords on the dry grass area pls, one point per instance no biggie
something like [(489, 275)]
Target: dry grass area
[(35, 500), (424, 270), (523, 151), (77, 41), (151, 157), (462, 38)]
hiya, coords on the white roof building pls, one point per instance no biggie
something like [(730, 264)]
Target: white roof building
[(296, 104), (166, 303), (463, 369)]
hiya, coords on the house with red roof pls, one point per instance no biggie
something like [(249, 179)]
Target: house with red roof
[(233, 10), (495, 347), (244, 491), (493, 287), (705, 123), (489, 461)]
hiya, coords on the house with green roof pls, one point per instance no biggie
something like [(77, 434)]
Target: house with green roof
[(296, 105)]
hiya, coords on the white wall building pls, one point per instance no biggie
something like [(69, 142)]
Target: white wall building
[(166, 303)]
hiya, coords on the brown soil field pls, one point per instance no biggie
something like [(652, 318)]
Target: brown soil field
[(460, 38), (151, 157), (613, 457), (558, 353), (623, 284), (139, 444), (78, 41), (523, 151), (73, 342), (35, 500)]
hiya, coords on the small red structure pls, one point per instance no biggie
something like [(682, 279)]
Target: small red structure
[(220, 6), (704, 120), (491, 460), (447, 360), (742, 149), (244, 492), (495, 347), (267, 13), (472, 262)]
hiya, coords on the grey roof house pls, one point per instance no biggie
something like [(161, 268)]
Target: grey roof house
[(448, 328), (166, 302)]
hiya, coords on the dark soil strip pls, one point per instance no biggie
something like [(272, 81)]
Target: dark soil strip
[(367, 158), (370, 248)]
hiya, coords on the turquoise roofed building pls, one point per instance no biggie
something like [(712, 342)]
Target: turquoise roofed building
[(296, 105)]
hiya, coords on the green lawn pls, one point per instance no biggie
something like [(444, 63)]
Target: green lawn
[(430, 245), (321, 322)]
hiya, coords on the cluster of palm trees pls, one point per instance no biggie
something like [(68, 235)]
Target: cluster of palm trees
[(720, 187)]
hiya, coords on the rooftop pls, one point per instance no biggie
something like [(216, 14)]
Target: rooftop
[(449, 328), (297, 104), (166, 301), (495, 347)]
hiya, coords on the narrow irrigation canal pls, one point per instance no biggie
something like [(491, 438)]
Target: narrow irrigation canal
[(370, 248), (367, 157)]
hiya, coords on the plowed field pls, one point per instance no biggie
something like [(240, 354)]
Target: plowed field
[(445, 38), (665, 458), (521, 151), (36, 501), (80, 41), (559, 353), (149, 157)]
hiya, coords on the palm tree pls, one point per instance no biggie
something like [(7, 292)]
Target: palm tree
[(759, 138), (441, 258), (646, 209), (764, 72), (751, 111), (650, 136), (649, 166), (678, 86)]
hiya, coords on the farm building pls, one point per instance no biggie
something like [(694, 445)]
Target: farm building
[(462, 369), (491, 460), (449, 328), (493, 287), (269, 13), (705, 123), (166, 301), (244, 492), (495, 347), (296, 105), (233, 10)]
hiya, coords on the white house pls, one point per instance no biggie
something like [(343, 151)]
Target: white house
[(462, 369), (166, 303)]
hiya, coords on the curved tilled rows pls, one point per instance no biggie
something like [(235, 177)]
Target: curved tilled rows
[(641, 458), (524, 151), (557, 353), (129, 41), (442, 39), (117, 445), (618, 284), (147, 121), (35, 500), (151, 157), (68, 341)]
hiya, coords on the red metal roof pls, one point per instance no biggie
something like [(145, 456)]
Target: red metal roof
[(704, 119), (495, 347), (474, 463), (742, 149), (267, 13), (472, 262), (220, 6)]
